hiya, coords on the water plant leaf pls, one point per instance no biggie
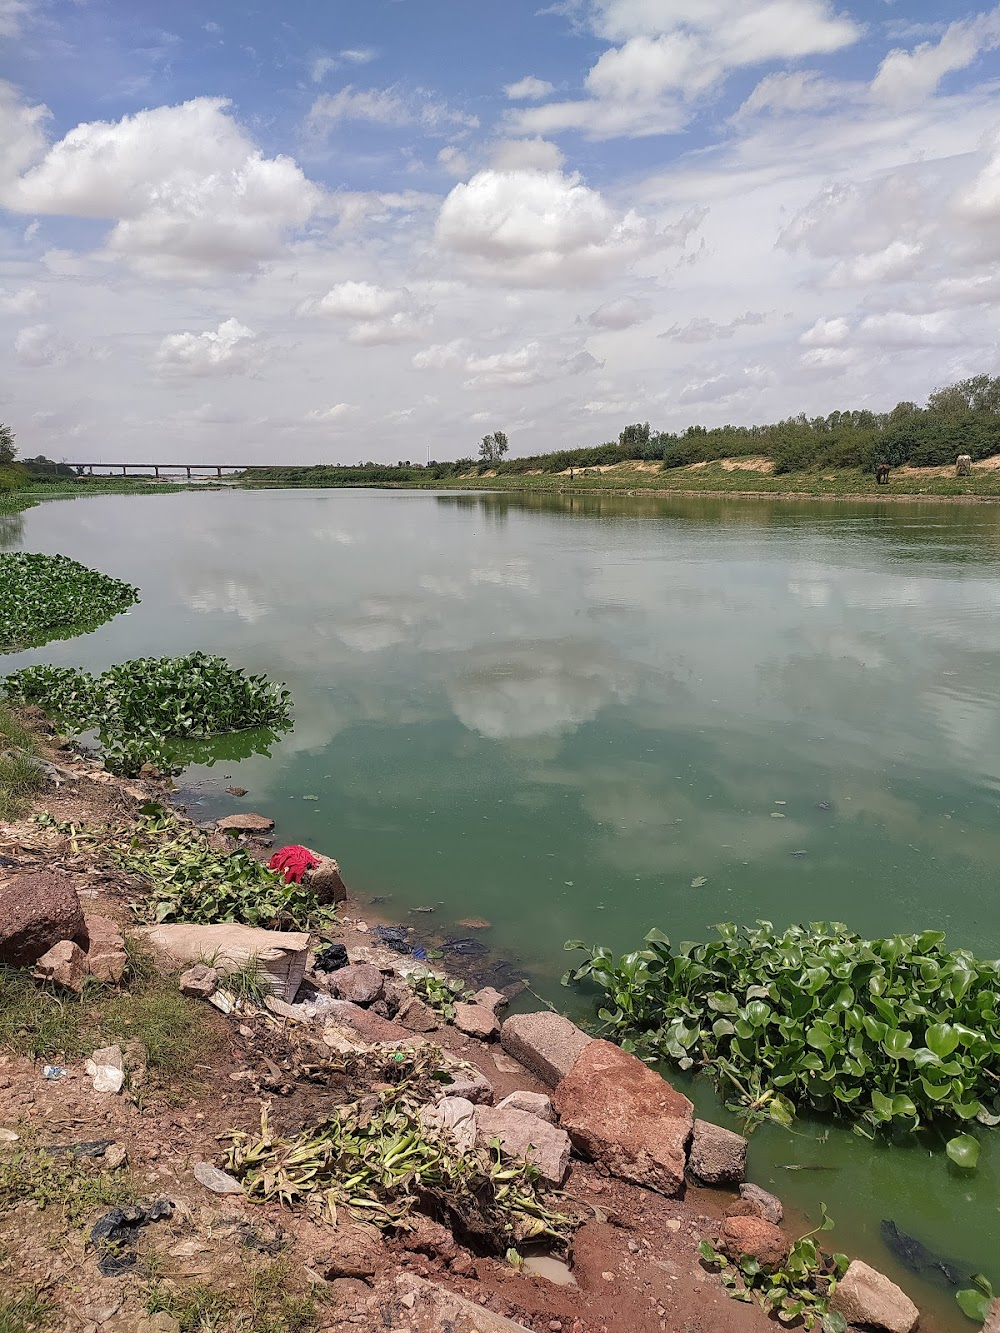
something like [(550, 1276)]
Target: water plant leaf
[(974, 1304), (963, 1150)]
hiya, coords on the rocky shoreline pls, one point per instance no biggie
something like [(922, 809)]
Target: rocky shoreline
[(613, 1147)]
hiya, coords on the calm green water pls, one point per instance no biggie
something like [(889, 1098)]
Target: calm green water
[(557, 713)]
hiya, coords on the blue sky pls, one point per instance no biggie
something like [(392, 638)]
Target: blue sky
[(321, 231)]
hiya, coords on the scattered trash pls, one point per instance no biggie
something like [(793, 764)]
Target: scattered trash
[(801, 852), (331, 958), (54, 1072), (468, 947), (776, 814), (90, 1148), (420, 953), (8, 1135), (697, 883), (219, 1182), (224, 1002), (395, 937), (107, 1068), (823, 805), (8, 863), (293, 862), (310, 798), (114, 1235), (421, 909)]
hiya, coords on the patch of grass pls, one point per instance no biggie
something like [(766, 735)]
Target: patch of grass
[(269, 1299), (75, 1186), (178, 1033), (25, 1312), (21, 776), (247, 982)]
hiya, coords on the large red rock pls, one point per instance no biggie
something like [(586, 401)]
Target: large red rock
[(753, 1236), (106, 955), (358, 982), (623, 1115), (37, 910)]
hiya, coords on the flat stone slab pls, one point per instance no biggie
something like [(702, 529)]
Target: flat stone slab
[(620, 1113), (545, 1043), (245, 824), (280, 955), (528, 1138), (427, 1308)]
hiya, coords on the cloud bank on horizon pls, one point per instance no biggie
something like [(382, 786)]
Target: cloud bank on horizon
[(377, 230)]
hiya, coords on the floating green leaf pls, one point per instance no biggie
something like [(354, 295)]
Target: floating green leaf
[(964, 1151)]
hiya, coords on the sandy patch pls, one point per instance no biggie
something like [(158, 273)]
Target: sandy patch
[(991, 464), (751, 464)]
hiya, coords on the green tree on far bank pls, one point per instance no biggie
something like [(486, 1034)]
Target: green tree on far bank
[(8, 451), (493, 448)]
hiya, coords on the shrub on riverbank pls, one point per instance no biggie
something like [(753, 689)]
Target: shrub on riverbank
[(891, 1033), (138, 707), (44, 597)]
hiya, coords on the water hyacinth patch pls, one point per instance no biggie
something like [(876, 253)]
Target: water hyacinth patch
[(138, 707), (891, 1033), (45, 597)]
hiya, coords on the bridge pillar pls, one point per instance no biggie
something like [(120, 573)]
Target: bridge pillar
[(156, 471), (188, 470), (124, 470), (218, 471)]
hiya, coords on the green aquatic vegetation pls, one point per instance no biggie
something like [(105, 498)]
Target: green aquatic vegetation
[(138, 708), (438, 993), (44, 597), (799, 1291), (191, 881), (975, 1301), (891, 1033)]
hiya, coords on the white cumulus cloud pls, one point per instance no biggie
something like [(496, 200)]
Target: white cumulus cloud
[(41, 345), (528, 89), (228, 350)]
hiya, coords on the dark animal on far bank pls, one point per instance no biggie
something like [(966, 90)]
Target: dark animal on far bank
[(881, 473)]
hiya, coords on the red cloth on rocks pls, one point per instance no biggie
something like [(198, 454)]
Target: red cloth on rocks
[(293, 862)]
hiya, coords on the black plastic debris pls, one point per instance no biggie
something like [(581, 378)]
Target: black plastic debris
[(8, 863), (394, 937), (331, 959), (114, 1235), (469, 948), (89, 1148)]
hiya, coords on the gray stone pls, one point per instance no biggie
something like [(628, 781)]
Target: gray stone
[(158, 1323), (219, 1182), (867, 1297), (476, 1021), (545, 1043), (768, 1206), (535, 1103), (524, 1136), (429, 1309), (199, 981), (358, 982), (245, 824), (326, 882), (116, 1156), (457, 1116), (37, 910), (466, 1081), (718, 1156)]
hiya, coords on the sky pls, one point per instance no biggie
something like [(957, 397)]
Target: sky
[(330, 232)]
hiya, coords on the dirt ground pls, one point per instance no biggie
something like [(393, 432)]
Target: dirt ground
[(635, 1266)]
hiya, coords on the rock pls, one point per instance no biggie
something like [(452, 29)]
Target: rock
[(466, 1081), (237, 791), (718, 1156), (992, 1324), (219, 1182), (295, 1013), (545, 1043), (65, 964), (355, 1251), (161, 1322), (535, 1103), (434, 1309), (767, 1206), (106, 956), (326, 883), (456, 1116), (107, 1068), (623, 1115), (474, 923), (503, 1062), (363, 1023), (523, 1135), (199, 981), (280, 954), (37, 910), (425, 1236), (866, 1297), (476, 1021), (116, 1156), (755, 1237), (462, 1264), (490, 998), (245, 824), (358, 982), (416, 1016)]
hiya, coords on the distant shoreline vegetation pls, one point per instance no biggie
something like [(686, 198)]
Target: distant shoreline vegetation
[(963, 418)]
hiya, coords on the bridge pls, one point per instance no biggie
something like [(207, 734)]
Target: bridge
[(156, 469)]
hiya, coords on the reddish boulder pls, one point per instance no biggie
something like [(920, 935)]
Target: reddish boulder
[(753, 1236), (37, 910), (106, 956), (364, 1024), (416, 1015), (524, 1136), (326, 882), (65, 964), (623, 1115), (358, 982), (245, 824), (477, 1021), (867, 1298)]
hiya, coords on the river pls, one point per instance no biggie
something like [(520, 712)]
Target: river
[(563, 714)]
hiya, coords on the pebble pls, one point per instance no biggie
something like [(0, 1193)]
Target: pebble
[(219, 1182), (555, 1326), (632, 1247), (673, 1224)]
